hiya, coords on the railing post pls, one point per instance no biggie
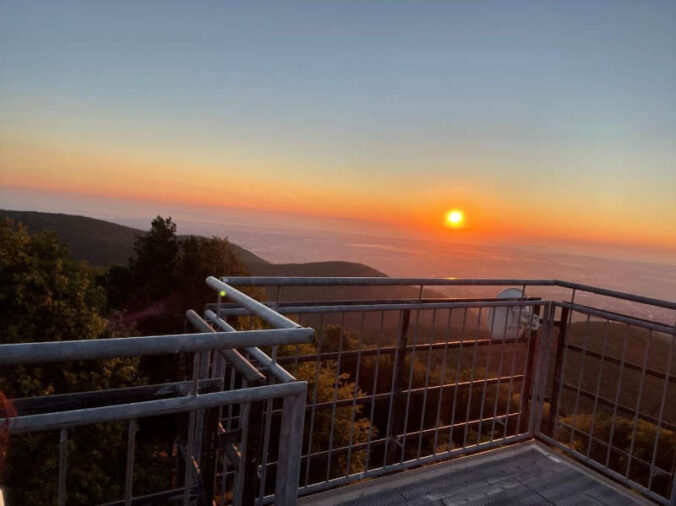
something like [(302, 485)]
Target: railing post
[(251, 452), (290, 447), (209, 450), (63, 466), (543, 351), (528, 379), (129, 471), (397, 386), (558, 371)]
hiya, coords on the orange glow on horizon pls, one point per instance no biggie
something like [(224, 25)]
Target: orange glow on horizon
[(481, 213)]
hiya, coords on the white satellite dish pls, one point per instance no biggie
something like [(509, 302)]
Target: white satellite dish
[(510, 322)]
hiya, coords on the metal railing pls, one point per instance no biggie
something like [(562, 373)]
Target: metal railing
[(209, 441), (400, 381), (399, 374)]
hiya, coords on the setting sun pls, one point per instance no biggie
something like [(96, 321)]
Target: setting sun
[(455, 218)]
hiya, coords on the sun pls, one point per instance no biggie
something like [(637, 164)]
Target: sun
[(455, 218)]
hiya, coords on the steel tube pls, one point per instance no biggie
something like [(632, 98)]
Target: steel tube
[(260, 310), (64, 419), (390, 350), (629, 365), (387, 281), (241, 364), (617, 295), (659, 327), (347, 308), (373, 281), (129, 471), (290, 447), (287, 307), (63, 466), (62, 351), (257, 354), (62, 402)]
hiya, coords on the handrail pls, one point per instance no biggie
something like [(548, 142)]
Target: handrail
[(88, 416), (381, 280), (241, 364), (387, 281), (275, 369), (260, 310), (62, 351)]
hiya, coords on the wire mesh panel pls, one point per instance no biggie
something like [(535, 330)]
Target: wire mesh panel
[(314, 389), (613, 396), (402, 378), (161, 443), (394, 385)]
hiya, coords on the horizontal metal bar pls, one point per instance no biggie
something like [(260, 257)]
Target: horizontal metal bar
[(605, 444), (78, 400), (90, 349), (385, 396), (608, 315), (387, 281), (629, 365), (625, 409), (420, 390), (389, 350), (347, 308), (287, 307), (375, 281), (233, 357), (616, 294), (260, 310), (426, 432), (154, 498), (52, 421), (604, 470), (257, 354)]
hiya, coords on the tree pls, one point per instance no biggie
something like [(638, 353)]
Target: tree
[(45, 295), (166, 277)]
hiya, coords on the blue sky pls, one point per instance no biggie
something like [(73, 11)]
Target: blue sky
[(523, 108)]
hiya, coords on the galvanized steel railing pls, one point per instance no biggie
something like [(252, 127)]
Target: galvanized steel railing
[(393, 379), (419, 379), (211, 441)]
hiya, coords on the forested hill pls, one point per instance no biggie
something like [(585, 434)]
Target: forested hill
[(103, 243)]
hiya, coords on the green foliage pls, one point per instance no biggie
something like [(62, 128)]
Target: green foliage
[(45, 295), (347, 425), (153, 268), (166, 277)]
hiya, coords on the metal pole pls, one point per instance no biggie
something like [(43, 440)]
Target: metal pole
[(261, 310), (129, 474), (89, 416), (395, 421), (92, 349), (527, 400), (290, 447), (63, 466), (558, 372), (540, 378)]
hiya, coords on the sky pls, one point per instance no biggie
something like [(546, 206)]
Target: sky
[(544, 122)]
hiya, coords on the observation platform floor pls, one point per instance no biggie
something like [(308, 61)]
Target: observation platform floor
[(525, 473)]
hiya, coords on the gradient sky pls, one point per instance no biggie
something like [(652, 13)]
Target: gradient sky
[(540, 119)]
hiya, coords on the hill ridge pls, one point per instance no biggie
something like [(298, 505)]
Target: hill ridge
[(103, 243)]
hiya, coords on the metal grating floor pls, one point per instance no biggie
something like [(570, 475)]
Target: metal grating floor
[(526, 473)]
